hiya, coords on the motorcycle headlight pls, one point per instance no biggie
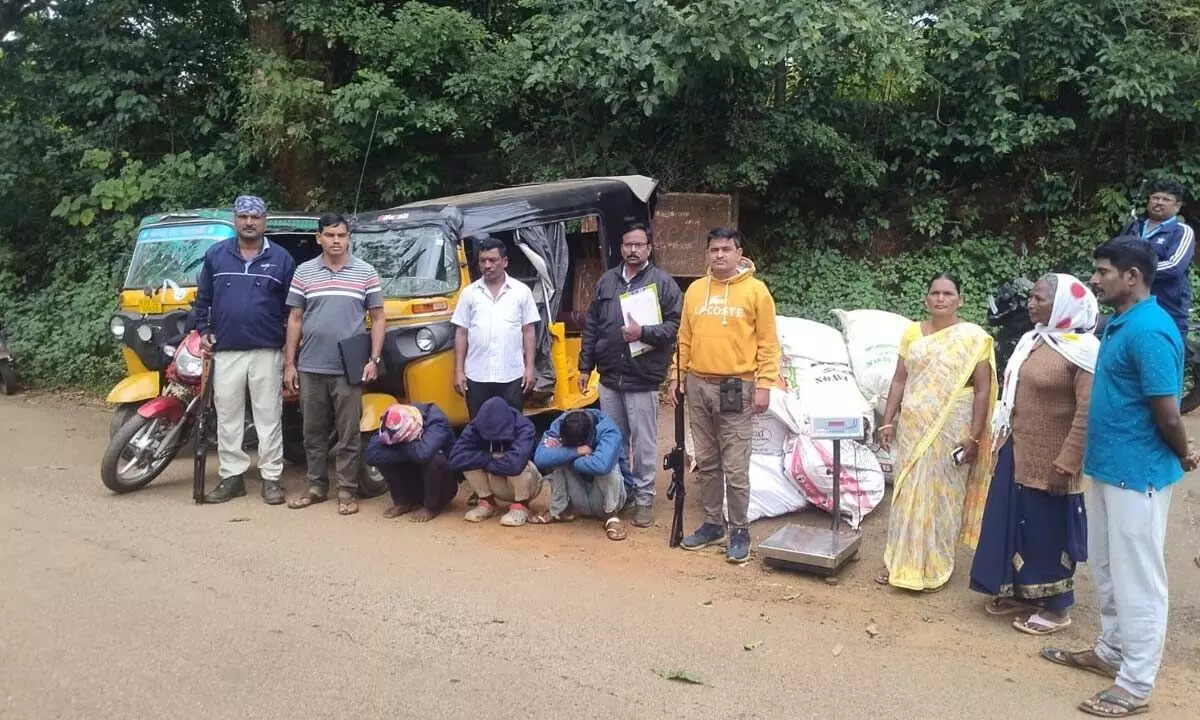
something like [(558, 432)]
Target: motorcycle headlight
[(187, 364), (425, 339), (117, 326), (145, 332)]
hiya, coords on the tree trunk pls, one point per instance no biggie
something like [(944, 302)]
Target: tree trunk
[(293, 168)]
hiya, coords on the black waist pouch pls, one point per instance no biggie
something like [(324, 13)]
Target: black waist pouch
[(731, 395)]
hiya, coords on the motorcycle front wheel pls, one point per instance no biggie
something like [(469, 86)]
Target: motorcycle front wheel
[(135, 454)]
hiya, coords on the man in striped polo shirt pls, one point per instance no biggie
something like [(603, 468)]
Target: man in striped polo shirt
[(329, 297)]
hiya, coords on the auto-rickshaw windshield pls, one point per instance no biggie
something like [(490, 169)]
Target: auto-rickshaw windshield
[(412, 262), (172, 253)]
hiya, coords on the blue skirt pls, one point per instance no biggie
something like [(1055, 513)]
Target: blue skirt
[(1030, 541)]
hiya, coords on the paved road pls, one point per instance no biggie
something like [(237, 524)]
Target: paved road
[(146, 606)]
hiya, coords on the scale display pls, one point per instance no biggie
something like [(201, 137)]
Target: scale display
[(838, 428)]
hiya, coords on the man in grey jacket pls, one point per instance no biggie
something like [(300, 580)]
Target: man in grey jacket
[(631, 375)]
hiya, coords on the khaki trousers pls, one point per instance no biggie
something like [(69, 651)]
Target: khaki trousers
[(521, 489), (722, 447), (262, 371)]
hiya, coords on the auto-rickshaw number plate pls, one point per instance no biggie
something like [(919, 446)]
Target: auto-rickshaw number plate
[(150, 306)]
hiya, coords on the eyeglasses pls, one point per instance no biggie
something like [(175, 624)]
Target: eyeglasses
[(1164, 199), (634, 246)]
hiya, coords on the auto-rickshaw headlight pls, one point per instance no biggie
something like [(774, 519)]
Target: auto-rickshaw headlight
[(145, 333), (425, 339), (117, 326)]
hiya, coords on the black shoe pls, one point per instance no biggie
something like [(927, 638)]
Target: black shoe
[(272, 492), (229, 488)]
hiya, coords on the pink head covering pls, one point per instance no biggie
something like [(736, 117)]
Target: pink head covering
[(401, 424)]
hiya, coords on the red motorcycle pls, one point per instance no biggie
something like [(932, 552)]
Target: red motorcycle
[(145, 444)]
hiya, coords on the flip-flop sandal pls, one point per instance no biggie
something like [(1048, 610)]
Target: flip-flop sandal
[(1038, 625), (883, 577), (614, 532), (310, 497), (548, 519), (1076, 660), (347, 507), (1125, 708), (1000, 607)]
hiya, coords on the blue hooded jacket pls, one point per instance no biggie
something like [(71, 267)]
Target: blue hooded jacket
[(608, 450), (436, 436), (496, 424)]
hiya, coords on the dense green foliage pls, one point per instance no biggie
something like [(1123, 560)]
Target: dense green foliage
[(870, 144)]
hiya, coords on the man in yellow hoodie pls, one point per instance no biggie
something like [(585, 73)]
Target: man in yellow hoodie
[(729, 356)]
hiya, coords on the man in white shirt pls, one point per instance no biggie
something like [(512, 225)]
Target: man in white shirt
[(494, 339)]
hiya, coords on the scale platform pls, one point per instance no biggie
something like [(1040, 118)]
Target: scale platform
[(818, 550)]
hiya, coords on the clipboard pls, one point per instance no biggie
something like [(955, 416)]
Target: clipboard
[(642, 305)]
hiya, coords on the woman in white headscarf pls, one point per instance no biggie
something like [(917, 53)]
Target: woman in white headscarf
[(1034, 526)]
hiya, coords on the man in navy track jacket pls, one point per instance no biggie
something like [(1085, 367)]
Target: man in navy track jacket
[(1175, 244)]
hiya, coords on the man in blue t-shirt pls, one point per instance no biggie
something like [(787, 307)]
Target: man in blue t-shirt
[(1136, 451)]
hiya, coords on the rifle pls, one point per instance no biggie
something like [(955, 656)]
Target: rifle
[(200, 437), (674, 461)]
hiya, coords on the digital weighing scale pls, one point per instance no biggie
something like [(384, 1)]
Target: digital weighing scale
[(808, 548)]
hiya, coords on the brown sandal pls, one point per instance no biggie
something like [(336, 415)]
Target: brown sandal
[(614, 529), (883, 577), (312, 496), (1086, 660), (347, 506), (546, 518)]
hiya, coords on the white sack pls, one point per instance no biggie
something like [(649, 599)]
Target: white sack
[(873, 341), (812, 341), (772, 492), (810, 465)]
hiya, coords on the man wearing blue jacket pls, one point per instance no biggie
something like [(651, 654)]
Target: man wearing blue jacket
[(494, 453), (411, 451), (240, 312), (584, 453), (1174, 243)]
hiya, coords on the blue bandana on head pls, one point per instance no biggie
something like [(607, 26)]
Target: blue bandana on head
[(250, 205)]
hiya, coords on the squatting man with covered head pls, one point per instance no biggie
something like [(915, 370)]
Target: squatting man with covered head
[(729, 356)]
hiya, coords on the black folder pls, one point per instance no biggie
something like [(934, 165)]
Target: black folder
[(355, 351)]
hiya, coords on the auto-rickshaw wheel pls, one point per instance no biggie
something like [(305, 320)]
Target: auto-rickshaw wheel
[(370, 480)]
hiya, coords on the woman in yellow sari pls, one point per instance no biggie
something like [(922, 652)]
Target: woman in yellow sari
[(942, 396)]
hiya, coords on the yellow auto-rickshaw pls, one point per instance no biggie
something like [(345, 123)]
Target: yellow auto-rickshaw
[(160, 286), (560, 235)]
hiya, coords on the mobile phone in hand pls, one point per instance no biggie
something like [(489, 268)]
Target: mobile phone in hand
[(957, 455)]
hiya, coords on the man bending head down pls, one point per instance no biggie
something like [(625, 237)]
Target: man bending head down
[(584, 454)]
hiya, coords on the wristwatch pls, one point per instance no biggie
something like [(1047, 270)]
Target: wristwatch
[(375, 360)]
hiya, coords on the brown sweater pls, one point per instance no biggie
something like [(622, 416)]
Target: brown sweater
[(1049, 422)]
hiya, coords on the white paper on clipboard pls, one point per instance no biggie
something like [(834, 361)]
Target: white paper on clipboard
[(641, 305)]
